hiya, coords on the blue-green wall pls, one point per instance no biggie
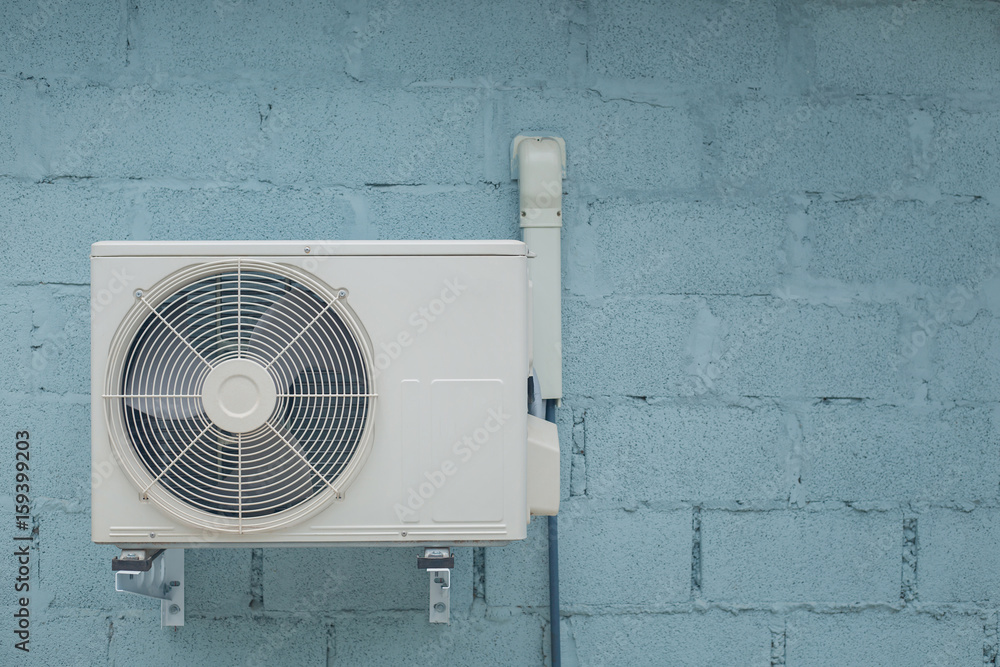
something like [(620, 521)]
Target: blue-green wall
[(781, 310)]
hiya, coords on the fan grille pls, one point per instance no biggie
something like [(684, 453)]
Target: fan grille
[(240, 395)]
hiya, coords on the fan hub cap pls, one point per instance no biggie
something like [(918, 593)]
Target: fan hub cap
[(239, 395)]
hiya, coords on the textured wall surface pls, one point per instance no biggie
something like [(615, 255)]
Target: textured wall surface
[(782, 310)]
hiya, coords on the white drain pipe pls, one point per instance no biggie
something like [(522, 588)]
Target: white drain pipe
[(539, 164)]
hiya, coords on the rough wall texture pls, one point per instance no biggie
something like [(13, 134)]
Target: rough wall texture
[(782, 309)]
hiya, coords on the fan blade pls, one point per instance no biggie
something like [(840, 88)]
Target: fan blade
[(278, 336), (167, 385), (273, 472)]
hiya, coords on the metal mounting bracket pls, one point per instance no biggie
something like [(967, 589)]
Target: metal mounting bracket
[(439, 562), (154, 573)]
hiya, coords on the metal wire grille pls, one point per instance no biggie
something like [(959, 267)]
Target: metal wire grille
[(312, 348)]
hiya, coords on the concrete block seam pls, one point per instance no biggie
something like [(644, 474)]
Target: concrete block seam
[(696, 553), (908, 591), (778, 645)]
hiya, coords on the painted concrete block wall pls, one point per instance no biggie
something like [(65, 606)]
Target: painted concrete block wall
[(782, 309)]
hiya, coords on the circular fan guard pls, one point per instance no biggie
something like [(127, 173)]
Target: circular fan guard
[(240, 395)]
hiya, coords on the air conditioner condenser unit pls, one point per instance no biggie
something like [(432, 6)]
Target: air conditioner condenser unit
[(303, 393), (310, 393)]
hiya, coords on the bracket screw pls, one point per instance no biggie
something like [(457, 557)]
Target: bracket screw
[(152, 535)]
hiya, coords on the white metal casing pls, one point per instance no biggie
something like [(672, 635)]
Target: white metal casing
[(448, 327)]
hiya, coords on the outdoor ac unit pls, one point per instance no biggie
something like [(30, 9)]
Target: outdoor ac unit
[(307, 393)]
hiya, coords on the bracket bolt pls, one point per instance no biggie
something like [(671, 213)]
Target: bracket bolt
[(152, 535), (439, 607), (308, 250), (342, 293), (138, 294), (174, 608)]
